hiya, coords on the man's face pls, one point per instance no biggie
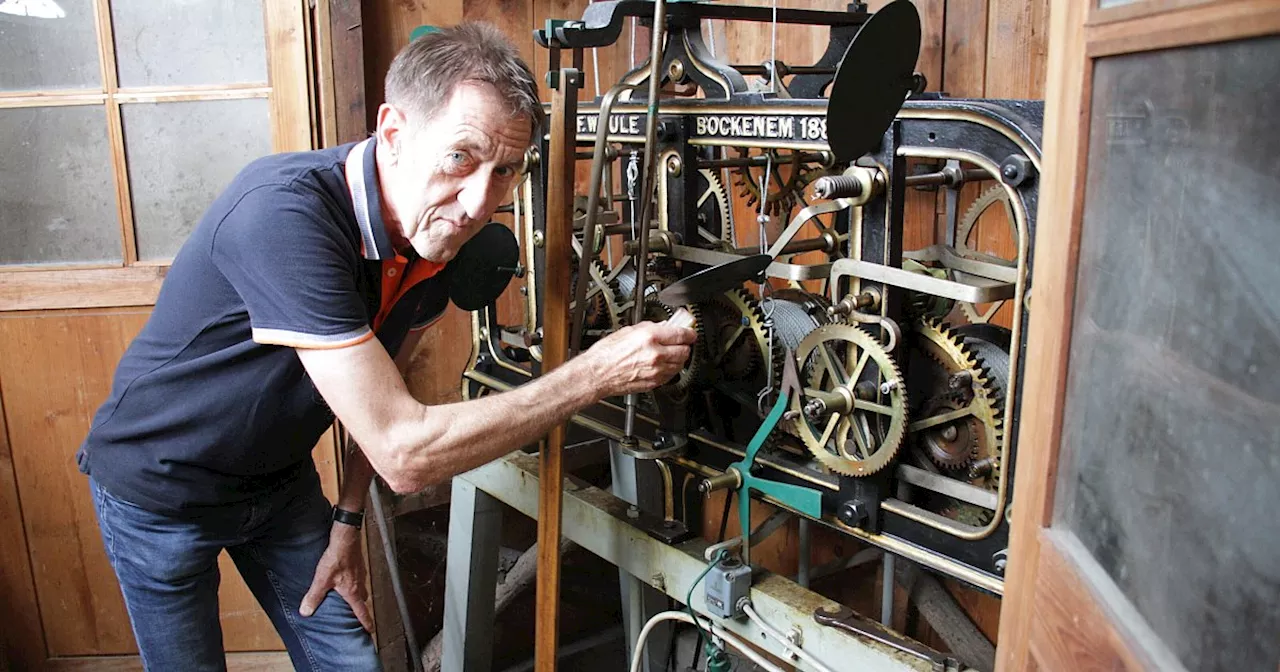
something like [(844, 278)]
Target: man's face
[(446, 176)]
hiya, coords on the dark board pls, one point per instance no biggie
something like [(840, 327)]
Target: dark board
[(1171, 438)]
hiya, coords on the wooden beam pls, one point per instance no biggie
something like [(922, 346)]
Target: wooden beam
[(346, 35), (81, 288), (555, 349), (22, 640)]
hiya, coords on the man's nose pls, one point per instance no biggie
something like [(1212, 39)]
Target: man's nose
[(477, 197)]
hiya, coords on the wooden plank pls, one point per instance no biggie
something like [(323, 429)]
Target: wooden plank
[(22, 640), (1201, 24), (55, 370), (287, 71), (1071, 630), (81, 288), (964, 61), (555, 348), (1066, 131), (195, 94), (1017, 48), (392, 23), (346, 32), (236, 662)]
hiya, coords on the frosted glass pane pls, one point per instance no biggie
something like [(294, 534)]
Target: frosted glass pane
[(189, 42), (48, 45), (57, 196), (1171, 430), (181, 156)]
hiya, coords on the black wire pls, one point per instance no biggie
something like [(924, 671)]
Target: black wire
[(724, 516)]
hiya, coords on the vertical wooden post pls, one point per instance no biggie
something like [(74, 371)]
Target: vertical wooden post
[(555, 348)]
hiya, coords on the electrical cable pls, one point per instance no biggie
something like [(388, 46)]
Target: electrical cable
[(728, 638), (750, 611)]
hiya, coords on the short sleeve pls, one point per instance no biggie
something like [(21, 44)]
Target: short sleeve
[(294, 269)]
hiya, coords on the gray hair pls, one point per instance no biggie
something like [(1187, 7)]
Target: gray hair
[(425, 73)]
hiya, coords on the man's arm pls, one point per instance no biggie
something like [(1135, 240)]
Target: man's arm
[(412, 445), (357, 473)]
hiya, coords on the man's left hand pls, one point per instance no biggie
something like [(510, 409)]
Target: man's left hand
[(341, 568)]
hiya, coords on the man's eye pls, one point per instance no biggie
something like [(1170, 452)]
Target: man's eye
[(457, 158), (506, 171)]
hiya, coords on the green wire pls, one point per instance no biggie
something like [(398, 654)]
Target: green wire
[(688, 600)]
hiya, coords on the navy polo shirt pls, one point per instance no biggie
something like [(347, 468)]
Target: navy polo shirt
[(210, 404)]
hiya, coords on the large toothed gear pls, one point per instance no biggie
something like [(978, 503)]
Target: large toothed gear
[(736, 336), (713, 209), (853, 414), (781, 198), (963, 420), (693, 371)]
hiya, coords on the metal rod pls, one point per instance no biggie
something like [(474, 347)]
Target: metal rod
[(948, 178), (393, 571), (749, 161), (802, 570), (794, 247), (598, 166), (659, 30), (783, 70), (555, 350), (886, 591)]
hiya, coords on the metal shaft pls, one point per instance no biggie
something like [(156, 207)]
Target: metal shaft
[(589, 229), (646, 193)]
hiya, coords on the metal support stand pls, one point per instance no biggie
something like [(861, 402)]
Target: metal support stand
[(471, 576), (886, 590), (599, 522), (640, 601)]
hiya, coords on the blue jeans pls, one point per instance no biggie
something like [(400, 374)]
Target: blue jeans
[(168, 571)]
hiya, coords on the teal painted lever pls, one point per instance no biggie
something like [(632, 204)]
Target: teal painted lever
[(804, 500)]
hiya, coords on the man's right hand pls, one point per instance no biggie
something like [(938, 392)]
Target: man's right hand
[(637, 358)]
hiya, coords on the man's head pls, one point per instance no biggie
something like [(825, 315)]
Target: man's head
[(461, 110)]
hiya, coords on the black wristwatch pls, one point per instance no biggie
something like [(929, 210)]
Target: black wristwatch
[(353, 518)]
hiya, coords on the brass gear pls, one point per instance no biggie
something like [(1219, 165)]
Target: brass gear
[(656, 311), (783, 200), (736, 337), (844, 362), (713, 203), (965, 229), (937, 357)]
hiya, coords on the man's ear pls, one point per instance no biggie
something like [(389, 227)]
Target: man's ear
[(391, 124)]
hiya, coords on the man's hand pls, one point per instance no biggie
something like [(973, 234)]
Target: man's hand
[(341, 568), (638, 358)]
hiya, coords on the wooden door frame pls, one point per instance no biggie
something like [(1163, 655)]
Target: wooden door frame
[(1044, 585)]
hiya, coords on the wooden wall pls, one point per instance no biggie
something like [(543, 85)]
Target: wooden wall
[(971, 48)]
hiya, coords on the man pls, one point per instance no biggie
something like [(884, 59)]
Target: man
[(286, 307)]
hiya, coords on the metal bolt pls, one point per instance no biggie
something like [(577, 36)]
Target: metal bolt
[(633, 512), (539, 239), (815, 409), (1000, 560), (888, 386), (852, 513), (674, 165), (949, 433)]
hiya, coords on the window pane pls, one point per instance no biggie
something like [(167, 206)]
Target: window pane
[(48, 45), (1171, 429), (181, 156), (57, 195), (188, 43)]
